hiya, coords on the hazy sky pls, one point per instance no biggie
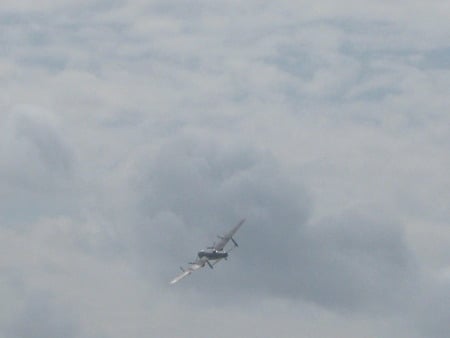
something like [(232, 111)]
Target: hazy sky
[(133, 132)]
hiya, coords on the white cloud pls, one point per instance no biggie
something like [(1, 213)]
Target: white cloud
[(132, 133)]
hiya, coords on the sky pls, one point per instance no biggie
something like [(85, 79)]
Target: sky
[(134, 132)]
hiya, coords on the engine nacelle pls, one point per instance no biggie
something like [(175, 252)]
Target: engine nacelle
[(212, 255)]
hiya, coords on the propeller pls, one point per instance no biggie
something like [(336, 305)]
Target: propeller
[(234, 242)]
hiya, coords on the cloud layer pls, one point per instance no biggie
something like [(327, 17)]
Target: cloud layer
[(132, 133)]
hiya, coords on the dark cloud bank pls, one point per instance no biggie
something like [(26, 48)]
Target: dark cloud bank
[(196, 187)]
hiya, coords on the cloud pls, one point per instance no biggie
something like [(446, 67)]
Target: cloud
[(133, 133), (197, 185), (358, 260), (201, 181), (37, 164), (41, 317), (31, 133)]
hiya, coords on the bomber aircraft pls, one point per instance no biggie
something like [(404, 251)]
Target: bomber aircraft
[(212, 255)]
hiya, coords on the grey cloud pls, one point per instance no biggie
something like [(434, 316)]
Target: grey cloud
[(37, 164), (33, 144), (431, 310), (47, 144), (43, 317), (202, 183), (195, 188), (181, 123), (358, 262), (205, 183), (437, 59), (346, 263)]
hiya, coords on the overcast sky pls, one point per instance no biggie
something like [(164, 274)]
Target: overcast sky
[(134, 132)]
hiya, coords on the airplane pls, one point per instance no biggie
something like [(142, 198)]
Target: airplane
[(213, 255)]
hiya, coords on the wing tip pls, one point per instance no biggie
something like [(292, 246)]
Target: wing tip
[(176, 280), (180, 277)]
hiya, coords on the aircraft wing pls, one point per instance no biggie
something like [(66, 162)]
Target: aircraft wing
[(226, 238), (180, 276), (199, 263)]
